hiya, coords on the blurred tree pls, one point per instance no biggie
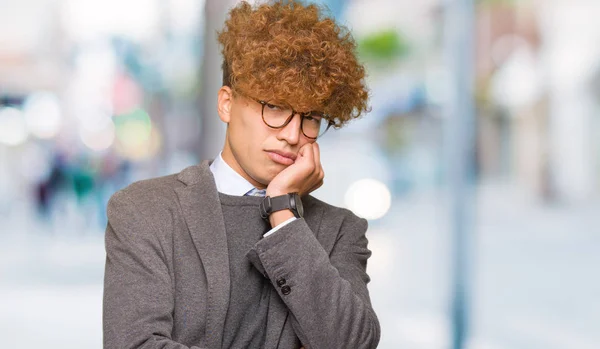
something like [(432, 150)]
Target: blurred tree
[(383, 47)]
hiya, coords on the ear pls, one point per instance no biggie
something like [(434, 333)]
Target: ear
[(224, 102)]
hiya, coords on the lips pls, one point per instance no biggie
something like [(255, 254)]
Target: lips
[(282, 157)]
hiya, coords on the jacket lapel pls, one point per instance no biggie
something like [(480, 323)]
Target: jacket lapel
[(201, 208)]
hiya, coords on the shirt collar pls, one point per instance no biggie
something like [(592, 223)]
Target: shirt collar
[(227, 180)]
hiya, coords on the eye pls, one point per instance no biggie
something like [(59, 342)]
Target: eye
[(314, 116), (273, 106)]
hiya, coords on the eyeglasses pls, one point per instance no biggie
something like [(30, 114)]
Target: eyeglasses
[(314, 124)]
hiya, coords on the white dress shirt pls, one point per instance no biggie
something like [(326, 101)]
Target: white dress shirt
[(230, 182)]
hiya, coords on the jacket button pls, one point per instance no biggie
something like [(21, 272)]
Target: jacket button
[(281, 282), (286, 290)]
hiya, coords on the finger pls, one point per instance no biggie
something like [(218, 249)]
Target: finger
[(317, 154), (315, 187), (317, 170), (303, 149), (303, 152), (309, 156)]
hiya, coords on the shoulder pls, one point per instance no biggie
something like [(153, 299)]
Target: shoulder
[(151, 191), (146, 208), (158, 197)]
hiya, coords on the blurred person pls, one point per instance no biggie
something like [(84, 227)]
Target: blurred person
[(46, 190), (235, 252)]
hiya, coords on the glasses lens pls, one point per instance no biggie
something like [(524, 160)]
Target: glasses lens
[(276, 116), (314, 125), (323, 127)]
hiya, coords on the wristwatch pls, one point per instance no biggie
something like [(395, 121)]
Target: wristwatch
[(289, 201)]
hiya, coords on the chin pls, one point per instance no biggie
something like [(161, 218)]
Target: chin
[(271, 174)]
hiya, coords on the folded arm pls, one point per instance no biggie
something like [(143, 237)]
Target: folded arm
[(326, 294)]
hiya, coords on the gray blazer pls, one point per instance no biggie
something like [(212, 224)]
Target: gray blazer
[(167, 271)]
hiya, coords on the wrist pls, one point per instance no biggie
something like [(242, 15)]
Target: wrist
[(275, 192), (279, 217), (279, 208)]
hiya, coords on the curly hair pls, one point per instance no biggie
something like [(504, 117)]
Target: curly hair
[(287, 52)]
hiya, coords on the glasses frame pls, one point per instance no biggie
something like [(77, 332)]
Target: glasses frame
[(289, 119)]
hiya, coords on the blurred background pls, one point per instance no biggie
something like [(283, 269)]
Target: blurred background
[(97, 94)]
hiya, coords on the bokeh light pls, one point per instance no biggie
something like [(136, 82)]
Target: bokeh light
[(43, 114), (89, 19), (140, 150), (100, 137), (368, 198), (136, 137), (13, 129)]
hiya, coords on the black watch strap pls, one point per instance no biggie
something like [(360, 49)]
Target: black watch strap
[(282, 202)]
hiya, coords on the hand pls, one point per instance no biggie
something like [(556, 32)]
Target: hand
[(303, 176)]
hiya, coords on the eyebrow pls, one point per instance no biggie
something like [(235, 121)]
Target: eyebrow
[(287, 105)]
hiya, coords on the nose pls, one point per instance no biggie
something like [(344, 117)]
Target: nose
[(291, 133)]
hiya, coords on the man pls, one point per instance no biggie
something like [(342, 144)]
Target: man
[(235, 253)]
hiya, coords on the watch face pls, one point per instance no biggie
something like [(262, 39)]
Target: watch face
[(299, 206)]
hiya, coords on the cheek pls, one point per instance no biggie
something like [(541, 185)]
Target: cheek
[(249, 134)]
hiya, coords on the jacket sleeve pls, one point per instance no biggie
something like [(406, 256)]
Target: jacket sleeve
[(138, 294), (326, 295)]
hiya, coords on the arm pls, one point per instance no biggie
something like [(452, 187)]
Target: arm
[(138, 294), (327, 296)]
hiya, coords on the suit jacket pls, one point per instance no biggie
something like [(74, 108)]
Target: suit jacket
[(167, 271)]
